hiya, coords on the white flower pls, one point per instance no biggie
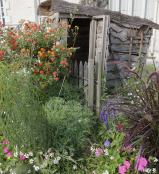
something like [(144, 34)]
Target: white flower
[(58, 158), (30, 154), (132, 102), (79, 121), (45, 163), (49, 150), (85, 119), (154, 170), (155, 159), (129, 94), (147, 170), (36, 168), (40, 153), (31, 161), (15, 154), (42, 166), (74, 167), (106, 172), (51, 154), (10, 170), (47, 157), (21, 153), (26, 155), (34, 159), (13, 172), (111, 157), (29, 171), (66, 153), (120, 164), (0, 164), (94, 172), (92, 149), (55, 161), (137, 90), (117, 150), (107, 153), (71, 154), (106, 150)]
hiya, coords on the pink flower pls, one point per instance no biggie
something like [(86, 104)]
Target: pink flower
[(122, 169), (127, 135), (99, 152), (22, 157), (25, 55), (4, 142), (120, 127), (142, 164), (127, 164), (9, 154), (21, 53), (6, 150), (129, 147)]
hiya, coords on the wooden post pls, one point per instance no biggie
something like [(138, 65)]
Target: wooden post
[(76, 72), (98, 79), (65, 38), (91, 83), (86, 81), (80, 74)]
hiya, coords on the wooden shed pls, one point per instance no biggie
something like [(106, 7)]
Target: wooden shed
[(104, 31)]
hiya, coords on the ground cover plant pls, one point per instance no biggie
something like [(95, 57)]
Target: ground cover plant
[(44, 125)]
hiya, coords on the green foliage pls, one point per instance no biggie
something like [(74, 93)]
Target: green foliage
[(69, 121)]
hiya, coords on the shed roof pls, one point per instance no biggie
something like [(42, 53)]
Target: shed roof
[(61, 6)]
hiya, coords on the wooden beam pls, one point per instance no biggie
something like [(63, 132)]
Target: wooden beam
[(67, 15)]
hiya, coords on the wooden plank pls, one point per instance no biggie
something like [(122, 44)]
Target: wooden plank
[(76, 72), (91, 83), (86, 81), (66, 15), (92, 38), (81, 74), (98, 84), (55, 20)]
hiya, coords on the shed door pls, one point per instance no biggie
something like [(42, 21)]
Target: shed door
[(99, 38)]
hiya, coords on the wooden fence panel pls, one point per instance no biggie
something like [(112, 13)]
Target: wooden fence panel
[(86, 81), (81, 74), (76, 72)]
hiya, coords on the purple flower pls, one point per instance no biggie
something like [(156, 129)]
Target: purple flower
[(107, 143)]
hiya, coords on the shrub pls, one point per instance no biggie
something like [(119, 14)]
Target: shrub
[(70, 122)]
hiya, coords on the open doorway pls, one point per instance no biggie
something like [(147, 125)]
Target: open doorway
[(82, 40)]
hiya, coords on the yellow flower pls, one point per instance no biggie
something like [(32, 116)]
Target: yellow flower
[(9, 157), (68, 6), (77, 9)]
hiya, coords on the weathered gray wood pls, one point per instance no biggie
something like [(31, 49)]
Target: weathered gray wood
[(91, 83), (98, 84), (92, 37), (86, 81), (66, 15), (76, 72), (55, 20), (81, 74), (125, 48)]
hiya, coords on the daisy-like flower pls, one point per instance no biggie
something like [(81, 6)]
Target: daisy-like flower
[(31, 161), (0, 164), (13, 172), (40, 153), (106, 150), (147, 170), (74, 167), (15, 154), (106, 172), (79, 121), (10, 170), (155, 159), (66, 153), (154, 170), (55, 161), (111, 157), (30, 154), (49, 150), (71, 154), (1, 170), (92, 149), (47, 157), (29, 171), (51, 154), (21, 153), (45, 163), (26, 155), (117, 150), (133, 149), (106, 153), (34, 159), (58, 158), (42, 166), (132, 102), (36, 168)]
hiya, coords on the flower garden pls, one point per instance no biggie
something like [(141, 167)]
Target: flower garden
[(45, 126)]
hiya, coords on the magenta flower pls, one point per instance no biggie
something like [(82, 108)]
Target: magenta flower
[(25, 55), (22, 157), (120, 127), (4, 142), (127, 164), (99, 152), (127, 135), (122, 169), (9, 154), (107, 143), (6, 150), (142, 164)]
